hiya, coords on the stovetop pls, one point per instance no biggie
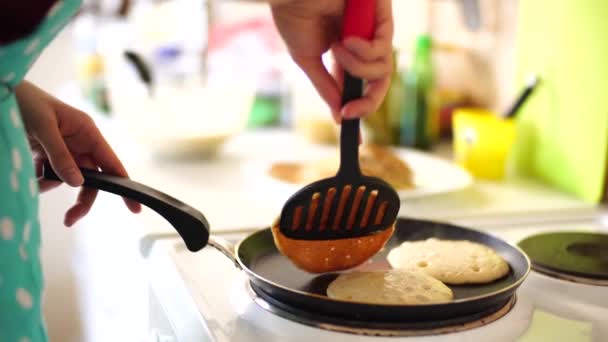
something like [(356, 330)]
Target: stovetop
[(547, 309)]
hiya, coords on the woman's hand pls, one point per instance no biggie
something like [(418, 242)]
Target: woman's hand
[(67, 138), (312, 27)]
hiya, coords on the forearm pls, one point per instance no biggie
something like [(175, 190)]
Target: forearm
[(34, 104)]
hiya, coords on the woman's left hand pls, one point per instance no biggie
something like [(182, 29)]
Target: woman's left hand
[(67, 138)]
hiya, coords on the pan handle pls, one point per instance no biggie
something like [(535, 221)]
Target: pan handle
[(225, 247), (190, 223)]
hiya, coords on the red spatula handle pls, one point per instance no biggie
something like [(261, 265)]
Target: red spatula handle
[(358, 21)]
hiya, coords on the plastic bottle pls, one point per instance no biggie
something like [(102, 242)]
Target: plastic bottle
[(419, 120), (383, 126)]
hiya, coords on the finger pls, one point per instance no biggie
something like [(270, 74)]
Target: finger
[(134, 207), (385, 27), (355, 66), (368, 51), (104, 157), (101, 154), (322, 81), (85, 200), (46, 185), (338, 75), (381, 45), (59, 155), (370, 102)]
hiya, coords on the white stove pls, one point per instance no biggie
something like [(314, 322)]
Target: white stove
[(206, 298)]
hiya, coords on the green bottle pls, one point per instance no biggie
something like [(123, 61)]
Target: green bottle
[(419, 120), (384, 125)]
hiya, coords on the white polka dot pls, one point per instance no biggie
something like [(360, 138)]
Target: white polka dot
[(24, 339), (14, 181), (15, 117), (24, 298), (16, 159), (9, 77), (22, 252), (55, 9), (32, 46), (33, 187), (7, 228), (27, 228)]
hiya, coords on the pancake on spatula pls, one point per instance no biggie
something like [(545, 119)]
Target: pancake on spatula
[(320, 256)]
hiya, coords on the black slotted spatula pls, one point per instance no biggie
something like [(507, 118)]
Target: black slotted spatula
[(349, 204)]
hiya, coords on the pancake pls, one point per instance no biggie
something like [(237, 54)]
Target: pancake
[(392, 287), (451, 261), (320, 256), (375, 161)]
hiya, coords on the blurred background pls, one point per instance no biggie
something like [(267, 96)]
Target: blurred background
[(498, 89)]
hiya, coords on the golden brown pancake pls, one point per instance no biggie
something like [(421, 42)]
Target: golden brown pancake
[(451, 261), (320, 256), (389, 287)]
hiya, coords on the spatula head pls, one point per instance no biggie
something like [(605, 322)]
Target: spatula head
[(335, 208)]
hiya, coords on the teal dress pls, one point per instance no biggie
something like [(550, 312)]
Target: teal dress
[(20, 271)]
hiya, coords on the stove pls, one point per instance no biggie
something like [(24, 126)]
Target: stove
[(211, 300), (383, 329)]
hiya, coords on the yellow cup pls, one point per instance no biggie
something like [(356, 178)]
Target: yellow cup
[(482, 142)]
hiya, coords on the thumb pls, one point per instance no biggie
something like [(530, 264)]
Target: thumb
[(60, 157)]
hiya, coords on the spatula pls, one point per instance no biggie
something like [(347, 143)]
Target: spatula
[(349, 204)]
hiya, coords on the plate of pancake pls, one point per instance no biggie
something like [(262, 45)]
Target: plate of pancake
[(412, 173)]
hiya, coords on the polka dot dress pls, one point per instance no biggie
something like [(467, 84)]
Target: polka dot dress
[(20, 270)]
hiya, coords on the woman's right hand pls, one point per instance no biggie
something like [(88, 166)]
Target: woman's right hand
[(312, 27)]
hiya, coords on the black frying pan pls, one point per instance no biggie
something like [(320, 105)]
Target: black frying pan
[(276, 279)]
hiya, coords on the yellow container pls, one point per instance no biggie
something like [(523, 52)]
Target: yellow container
[(482, 142)]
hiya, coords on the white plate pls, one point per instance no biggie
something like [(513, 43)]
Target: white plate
[(432, 175)]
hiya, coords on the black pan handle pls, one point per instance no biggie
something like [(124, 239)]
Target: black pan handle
[(190, 223)]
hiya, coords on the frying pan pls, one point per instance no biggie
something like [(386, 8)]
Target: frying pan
[(274, 277)]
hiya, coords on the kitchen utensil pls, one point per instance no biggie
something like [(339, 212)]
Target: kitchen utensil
[(275, 278), (190, 223), (521, 99), (349, 204), (144, 72), (482, 142)]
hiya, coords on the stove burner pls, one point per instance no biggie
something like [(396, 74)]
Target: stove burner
[(572, 256), (370, 328)]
